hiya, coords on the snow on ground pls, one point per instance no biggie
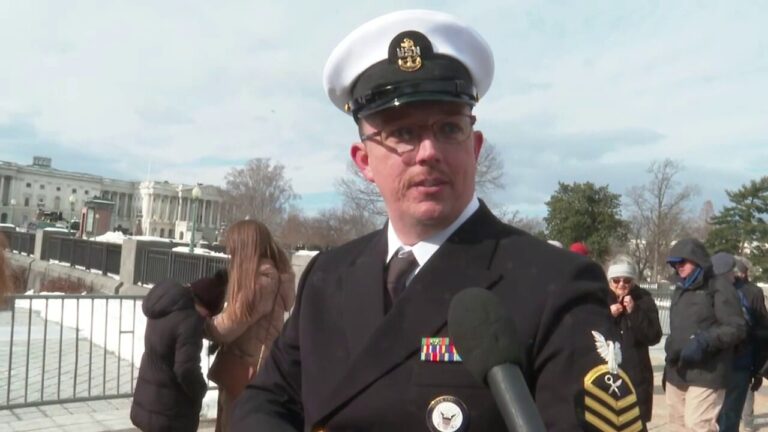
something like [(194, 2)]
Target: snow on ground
[(56, 229), (152, 238), (199, 251), (110, 237), (306, 253), (115, 324)]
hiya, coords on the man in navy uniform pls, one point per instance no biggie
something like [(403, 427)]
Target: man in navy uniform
[(366, 347)]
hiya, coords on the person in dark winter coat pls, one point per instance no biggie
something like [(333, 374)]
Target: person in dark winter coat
[(170, 386), (758, 333), (706, 323), (637, 317), (748, 355)]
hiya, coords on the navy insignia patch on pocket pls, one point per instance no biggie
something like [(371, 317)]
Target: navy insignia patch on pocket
[(447, 414)]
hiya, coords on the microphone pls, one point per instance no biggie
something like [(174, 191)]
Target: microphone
[(485, 338)]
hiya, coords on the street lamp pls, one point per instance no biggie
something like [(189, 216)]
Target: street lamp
[(196, 194), (72, 200)]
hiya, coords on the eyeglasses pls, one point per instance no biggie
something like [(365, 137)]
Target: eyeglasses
[(626, 281), (401, 139)]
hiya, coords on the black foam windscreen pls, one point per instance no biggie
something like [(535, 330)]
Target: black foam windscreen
[(482, 332)]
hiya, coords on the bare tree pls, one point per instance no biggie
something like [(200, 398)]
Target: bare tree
[(700, 226), (330, 227), (637, 247), (362, 196), (490, 170), (529, 224), (359, 195), (658, 215), (333, 227), (294, 231), (260, 190)]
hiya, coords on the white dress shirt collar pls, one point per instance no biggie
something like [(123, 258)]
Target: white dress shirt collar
[(424, 249)]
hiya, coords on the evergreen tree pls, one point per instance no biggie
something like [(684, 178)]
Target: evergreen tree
[(588, 213), (741, 227)]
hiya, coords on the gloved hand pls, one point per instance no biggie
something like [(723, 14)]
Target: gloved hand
[(672, 358), (693, 352), (757, 381)]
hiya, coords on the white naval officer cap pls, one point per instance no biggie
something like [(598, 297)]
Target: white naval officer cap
[(407, 56)]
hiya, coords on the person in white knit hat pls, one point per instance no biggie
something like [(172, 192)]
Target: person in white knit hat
[(637, 317)]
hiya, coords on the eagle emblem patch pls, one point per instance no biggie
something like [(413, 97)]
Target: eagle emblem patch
[(447, 414), (610, 400)]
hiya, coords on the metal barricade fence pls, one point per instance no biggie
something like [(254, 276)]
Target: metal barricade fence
[(21, 242), (69, 348), (86, 254), (662, 295), (155, 265)]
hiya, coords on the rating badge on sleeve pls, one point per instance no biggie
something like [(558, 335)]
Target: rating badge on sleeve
[(610, 401)]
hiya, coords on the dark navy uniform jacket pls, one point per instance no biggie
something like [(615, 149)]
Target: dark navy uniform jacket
[(342, 364)]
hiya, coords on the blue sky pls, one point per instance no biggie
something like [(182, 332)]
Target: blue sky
[(584, 91)]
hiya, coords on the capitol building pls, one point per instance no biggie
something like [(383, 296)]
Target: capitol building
[(153, 208)]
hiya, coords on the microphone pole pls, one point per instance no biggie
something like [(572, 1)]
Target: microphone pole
[(485, 337), (516, 405)]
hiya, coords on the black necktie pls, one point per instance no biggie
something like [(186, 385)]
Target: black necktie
[(400, 267)]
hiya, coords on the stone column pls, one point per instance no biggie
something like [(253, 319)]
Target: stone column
[(150, 214), (178, 210), (129, 210)]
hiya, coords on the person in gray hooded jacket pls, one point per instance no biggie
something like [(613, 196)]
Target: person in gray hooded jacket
[(706, 322)]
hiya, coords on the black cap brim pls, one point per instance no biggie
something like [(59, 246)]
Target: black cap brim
[(410, 98)]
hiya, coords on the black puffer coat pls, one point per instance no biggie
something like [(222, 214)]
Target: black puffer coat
[(170, 387), (639, 330), (709, 307)]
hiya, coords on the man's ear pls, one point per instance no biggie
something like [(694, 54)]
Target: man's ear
[(477, 141), (360, 156)]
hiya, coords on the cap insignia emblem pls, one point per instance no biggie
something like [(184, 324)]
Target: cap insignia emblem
[(408, 56)]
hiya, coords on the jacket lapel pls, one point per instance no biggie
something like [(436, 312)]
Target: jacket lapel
[(363, 290), (461, 262)]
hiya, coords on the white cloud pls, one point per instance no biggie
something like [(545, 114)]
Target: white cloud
[(193, 88)]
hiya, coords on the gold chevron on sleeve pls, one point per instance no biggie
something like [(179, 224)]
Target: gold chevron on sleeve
[(617, 419), (605, 427)]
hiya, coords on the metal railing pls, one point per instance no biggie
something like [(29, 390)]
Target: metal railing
[(68, 348), (21, 242), (155, 265), (87, 254), (71, 348), (662, 295)]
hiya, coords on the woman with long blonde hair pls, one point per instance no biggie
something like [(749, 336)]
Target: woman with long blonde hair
[(261, 290)]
